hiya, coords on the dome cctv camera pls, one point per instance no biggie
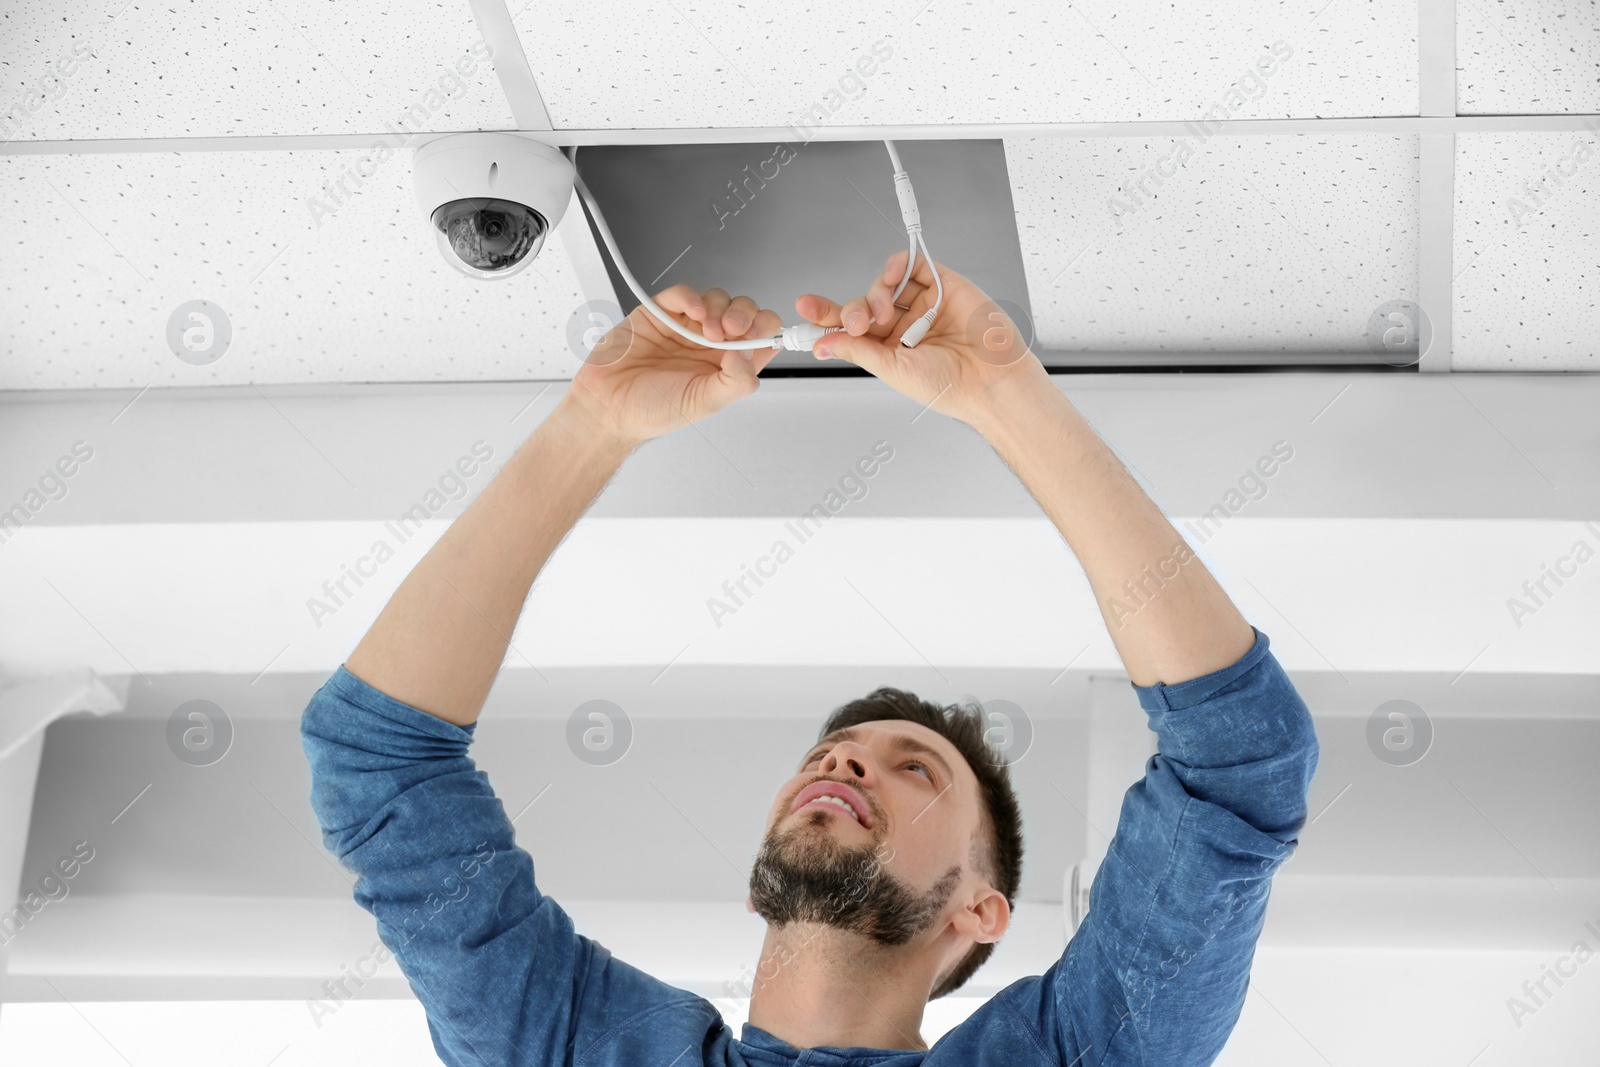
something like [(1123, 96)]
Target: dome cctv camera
[(491, 198)]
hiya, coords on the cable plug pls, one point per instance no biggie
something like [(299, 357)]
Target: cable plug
[(918, 330), (801, 338), (908, 202)]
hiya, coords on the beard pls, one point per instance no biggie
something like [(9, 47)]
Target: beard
[(803, 874)]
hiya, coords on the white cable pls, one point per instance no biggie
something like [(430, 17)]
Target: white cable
[(633, 283), (913, 220), (911, 262), (794, 338), (919, 329)]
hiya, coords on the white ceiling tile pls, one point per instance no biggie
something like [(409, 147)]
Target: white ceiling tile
[(1527, 273), (1525, 57), (104, 248), (1264, 244), (211, 70), (725, 64)]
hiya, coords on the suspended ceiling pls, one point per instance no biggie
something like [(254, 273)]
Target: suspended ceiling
[(152, 176)]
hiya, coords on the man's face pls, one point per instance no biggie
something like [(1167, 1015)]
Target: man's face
[(889, 876)]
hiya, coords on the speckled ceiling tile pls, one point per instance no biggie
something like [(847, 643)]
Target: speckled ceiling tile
[(693, 64), (1527, 251), (1524, 57), (211, 70), (1280, 244), (103, 248)]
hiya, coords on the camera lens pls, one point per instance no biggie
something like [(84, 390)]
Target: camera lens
[(488, 238)]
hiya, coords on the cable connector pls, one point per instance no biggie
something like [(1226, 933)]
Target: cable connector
[(801, 338), (918, 330), (908, 202)]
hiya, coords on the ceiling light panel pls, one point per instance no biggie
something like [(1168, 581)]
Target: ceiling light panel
[(1526, 57), (107, 248), (1260, 244), (1527, 277), (213, 70), (725, 64)]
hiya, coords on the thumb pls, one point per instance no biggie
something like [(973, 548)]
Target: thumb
[(865, 351), (736, 380)]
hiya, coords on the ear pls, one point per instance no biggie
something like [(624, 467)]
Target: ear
[(987, 918), (749, 905)]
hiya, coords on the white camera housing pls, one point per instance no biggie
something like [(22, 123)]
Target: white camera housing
[(491, 198)]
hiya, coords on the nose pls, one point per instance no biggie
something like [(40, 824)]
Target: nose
[(846, 757)]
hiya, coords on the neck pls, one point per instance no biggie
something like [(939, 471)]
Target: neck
[(819, 985)]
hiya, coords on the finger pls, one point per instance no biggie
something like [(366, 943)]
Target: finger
[(880, 296), (921, 274), (824, 312), (740, 316), (875, 313), (818, 309), (716, 302), (868, 353), (682, 300), (856, 316), (767, 324)]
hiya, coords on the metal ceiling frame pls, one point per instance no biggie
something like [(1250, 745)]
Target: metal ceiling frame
[(1436, 179), (496, 24), (1396, 125)]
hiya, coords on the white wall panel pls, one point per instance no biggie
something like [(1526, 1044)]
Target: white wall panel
[(1346, 594), (219, 70), (1527, 251), (1263, 244), (103, 248), (1365, 1001), (1527, 57), (725, 64), (274, 1033)]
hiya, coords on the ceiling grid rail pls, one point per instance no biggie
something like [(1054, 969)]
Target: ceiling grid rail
[(1393, 125), (1436, 206), (511, 65)]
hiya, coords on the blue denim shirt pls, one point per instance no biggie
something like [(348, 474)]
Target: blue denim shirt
[(1156, 974)]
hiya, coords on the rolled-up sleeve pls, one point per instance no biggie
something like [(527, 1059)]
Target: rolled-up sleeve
[(1157, 972), (495, 963)]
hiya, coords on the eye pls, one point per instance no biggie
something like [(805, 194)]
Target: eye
[(926, 770)]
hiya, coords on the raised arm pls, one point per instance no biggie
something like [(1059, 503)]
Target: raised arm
[(1169, 619), (440, 640), (1167, 615)]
